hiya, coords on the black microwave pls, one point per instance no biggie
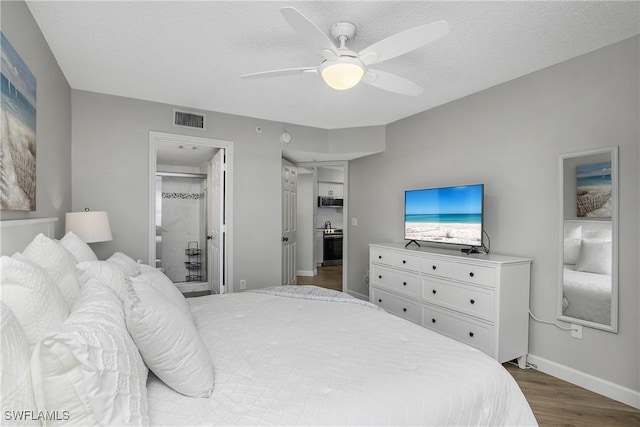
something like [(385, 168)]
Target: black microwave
[(328, 202)]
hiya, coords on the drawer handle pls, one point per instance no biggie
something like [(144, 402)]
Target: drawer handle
[(434, 267), (404, 309), (434, 291), (433, 320), (472, 301), (471, 334), (379, 276), (404, 261), (471, 274), (404, 283), (379, 256), (379, 299)]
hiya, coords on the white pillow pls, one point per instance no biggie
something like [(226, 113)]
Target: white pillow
[(595, 257), (59, 264), (78, 248), (129, 266), (168, 341), (571, 250), (33, 297), (572, 231), (16, 393), (91, 366), (108, 273), (165, 286)]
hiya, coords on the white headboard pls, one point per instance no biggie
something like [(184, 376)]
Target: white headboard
[(16, 234)]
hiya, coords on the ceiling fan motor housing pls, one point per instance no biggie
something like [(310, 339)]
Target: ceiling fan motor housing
[(343, 29)]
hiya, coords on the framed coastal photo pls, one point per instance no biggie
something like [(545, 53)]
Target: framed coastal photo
[(18, 137), (594, 190)]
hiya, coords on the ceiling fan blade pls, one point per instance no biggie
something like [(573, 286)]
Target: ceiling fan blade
[(309, 31), (403, 42), (279, 73), (391, 83)]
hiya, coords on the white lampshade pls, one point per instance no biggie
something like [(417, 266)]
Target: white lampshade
[(90, 226), (342, 75)]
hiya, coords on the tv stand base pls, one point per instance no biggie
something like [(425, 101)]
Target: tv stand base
[(412, 241), (471, 250)]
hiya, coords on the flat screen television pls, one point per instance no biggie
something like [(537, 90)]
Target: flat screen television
[(452, 215)]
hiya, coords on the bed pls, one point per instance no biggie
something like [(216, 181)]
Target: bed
[(292, 355)]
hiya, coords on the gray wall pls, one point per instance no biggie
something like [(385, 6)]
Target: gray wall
[(53, 119), (509, 137), (111, 166)]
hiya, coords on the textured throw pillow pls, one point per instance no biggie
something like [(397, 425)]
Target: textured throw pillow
[(165, 286), (128, 265), (168, 341), (59, 264), (33, 297), (78, 248), (110, 274), (595, 257), (91, 367), (16, 393), (571, 250)]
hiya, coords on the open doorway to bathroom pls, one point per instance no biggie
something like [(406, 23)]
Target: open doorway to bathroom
[(190, 211)]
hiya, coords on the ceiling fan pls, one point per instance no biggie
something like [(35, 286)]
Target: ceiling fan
[(343, 68)]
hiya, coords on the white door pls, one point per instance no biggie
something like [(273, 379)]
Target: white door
[(216, 235), (289, 222)]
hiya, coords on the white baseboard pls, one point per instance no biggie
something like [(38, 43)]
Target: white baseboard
[(597, 385), (358, 295), (307, 273)]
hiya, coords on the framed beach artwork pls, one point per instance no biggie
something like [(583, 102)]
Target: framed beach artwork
[(594, 190), (18, 138)]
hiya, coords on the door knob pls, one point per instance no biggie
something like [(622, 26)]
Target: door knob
[(285, 239), (209, 237)]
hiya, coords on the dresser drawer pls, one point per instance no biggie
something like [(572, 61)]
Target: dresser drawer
[(437, 267), (467, 330), (399, 281), (380, 256), (408, 262), (467, 299), (395, 305), (476, 274)]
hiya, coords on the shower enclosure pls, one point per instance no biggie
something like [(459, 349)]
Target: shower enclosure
[(181, 226)]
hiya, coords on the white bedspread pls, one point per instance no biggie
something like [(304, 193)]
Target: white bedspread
[(588, 295), (297, 361)]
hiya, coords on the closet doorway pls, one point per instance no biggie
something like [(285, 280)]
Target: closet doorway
[(190, 211)]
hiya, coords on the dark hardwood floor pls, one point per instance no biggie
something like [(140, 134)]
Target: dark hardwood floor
[(329, 277), (558, 403)]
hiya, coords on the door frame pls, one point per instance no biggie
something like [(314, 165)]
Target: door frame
[(161, 137), (345, 213)]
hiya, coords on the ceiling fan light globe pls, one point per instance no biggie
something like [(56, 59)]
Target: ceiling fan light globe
[(342, 75)]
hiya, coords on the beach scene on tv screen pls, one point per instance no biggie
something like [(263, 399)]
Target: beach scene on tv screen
[(444, 215)]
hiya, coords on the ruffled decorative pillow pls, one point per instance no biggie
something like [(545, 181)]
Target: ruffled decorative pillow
[(91, 367)]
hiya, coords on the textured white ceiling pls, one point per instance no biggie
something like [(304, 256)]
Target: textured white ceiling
[(192, 53)]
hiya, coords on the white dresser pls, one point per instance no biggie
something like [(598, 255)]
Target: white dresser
[(479, 299)]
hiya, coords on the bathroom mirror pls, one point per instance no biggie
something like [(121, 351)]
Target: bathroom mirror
[(588, 282)]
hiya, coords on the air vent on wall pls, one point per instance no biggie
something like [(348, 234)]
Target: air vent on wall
[(188, 119)]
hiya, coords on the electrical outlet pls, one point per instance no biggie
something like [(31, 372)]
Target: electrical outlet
[(243, 284), (576, 331), (354, 222)]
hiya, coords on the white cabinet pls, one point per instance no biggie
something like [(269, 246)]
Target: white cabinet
[(479, 299), (331, 189)]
